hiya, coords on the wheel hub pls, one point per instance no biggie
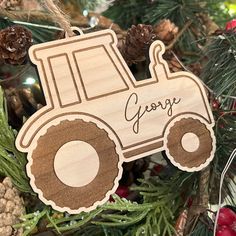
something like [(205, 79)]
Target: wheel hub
[(190, 142), (76, 163)]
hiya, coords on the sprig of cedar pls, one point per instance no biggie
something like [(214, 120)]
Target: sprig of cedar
[(12, 162), (154, 214)]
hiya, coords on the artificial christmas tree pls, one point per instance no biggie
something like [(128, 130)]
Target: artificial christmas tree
[(169, 202)]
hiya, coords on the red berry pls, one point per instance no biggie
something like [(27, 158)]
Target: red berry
[(157, 169), (215, 104), (122, 191), (226, 217), (231, 25), (225, 231)]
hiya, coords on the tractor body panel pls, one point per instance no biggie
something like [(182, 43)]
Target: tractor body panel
[(95, 80), (95, 103)]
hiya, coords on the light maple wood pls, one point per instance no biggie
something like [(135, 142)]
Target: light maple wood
[(93, 98), (80, 158), (190, 142)]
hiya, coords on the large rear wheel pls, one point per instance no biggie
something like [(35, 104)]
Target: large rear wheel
[(75, 165)]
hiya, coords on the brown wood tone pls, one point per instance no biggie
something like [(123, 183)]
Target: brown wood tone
[(97, 116), (178, 152), (43, 164), (145, 149)]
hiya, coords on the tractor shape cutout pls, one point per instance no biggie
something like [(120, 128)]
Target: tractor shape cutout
[(98, 116)]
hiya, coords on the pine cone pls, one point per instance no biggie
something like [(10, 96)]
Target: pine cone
[(14, 44), (166, 31), (11, 209), (137, 42)]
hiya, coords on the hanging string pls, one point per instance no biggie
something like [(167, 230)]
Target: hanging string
[(231, 158), (59, 16)]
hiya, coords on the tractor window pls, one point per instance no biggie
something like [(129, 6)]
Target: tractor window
[(98, 73), (63, 80)]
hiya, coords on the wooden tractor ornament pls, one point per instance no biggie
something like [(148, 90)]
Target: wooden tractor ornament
[(98, 116)]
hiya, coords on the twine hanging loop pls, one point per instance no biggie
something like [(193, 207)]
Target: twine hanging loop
[(59, 16)]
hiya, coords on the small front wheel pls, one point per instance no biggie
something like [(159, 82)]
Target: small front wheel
[(74, 166), (190, 144)]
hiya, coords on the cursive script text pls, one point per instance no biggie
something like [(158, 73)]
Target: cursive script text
[(133, 99)]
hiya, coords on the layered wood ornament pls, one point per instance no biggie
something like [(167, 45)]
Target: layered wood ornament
[(98, 116)]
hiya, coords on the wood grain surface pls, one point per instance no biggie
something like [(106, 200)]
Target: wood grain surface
[(93, 98), (43, 164)]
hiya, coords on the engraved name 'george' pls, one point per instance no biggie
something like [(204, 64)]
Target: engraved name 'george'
[(133, 99)]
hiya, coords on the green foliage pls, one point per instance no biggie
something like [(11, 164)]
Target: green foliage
[(154, 215), (226, 143), (126, 13), (31, 221), (219, 73), (12, 162), (223, 12), (201, 229)]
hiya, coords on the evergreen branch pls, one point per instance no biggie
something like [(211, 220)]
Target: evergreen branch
[(31, 223), (73, 224), (155, 215), (225, 133), (12, 162), (219, 72), (126, 221), (52, 222)]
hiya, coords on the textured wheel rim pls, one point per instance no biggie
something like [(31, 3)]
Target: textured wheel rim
[(43, 160), (178, 153)]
